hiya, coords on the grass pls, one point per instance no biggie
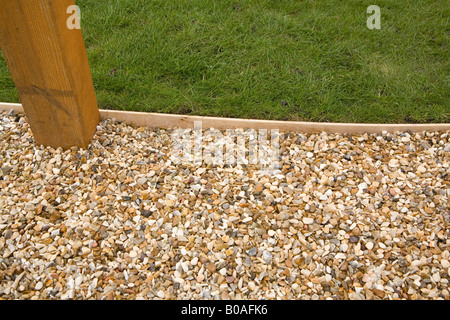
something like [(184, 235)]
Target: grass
[(266, 59)]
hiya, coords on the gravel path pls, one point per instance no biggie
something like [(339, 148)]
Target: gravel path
[(347, 217)]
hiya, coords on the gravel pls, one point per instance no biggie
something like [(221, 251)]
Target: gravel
[(346, 217)]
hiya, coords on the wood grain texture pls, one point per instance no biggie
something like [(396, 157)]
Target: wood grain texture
[(49, 66)]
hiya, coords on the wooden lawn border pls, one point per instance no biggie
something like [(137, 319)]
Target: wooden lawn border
[(162, 120)]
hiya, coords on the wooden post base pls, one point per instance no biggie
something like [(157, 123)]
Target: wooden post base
[(49, 66)]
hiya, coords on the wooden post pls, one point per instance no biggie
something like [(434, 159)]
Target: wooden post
[(49, 66)]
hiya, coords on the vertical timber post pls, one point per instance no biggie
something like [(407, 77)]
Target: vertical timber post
[(49, 66)]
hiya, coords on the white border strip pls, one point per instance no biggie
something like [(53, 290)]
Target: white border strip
[(162, 120)]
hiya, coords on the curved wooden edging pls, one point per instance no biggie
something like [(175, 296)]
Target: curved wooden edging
[(161, 120)]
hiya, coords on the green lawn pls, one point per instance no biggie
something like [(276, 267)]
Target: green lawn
[(284, 59)]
